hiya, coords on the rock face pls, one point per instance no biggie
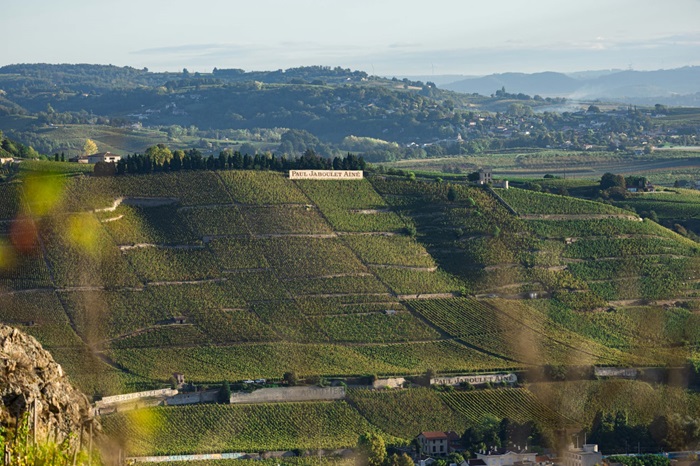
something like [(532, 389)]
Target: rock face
[(30, 377)]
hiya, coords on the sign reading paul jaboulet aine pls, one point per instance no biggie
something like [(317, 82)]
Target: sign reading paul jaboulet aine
[(325, 174)]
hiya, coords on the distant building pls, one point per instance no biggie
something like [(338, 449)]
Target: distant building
[(485, 176), (433, 443), (179, 379), (106, 157), (79, 159), (4, 160), (504, 457), (586, 456), (439, 443)]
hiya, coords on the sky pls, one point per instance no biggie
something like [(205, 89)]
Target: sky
[(382, 37)]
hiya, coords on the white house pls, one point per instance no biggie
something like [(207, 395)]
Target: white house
[(586, 456), (507, 457), (107, 157)]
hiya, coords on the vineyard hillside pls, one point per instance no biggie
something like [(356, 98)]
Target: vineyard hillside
[(241, 275), (237, 275)]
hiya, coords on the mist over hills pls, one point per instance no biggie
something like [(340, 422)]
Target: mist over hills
[(678, 86)]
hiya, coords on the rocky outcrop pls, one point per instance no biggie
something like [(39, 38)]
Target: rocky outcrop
[(29, 378)]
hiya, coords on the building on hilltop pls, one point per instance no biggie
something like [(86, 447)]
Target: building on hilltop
[(485, 176)]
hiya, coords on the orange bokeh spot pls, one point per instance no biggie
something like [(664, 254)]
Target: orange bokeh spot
[(23, 234)]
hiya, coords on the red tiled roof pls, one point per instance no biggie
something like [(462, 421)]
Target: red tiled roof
[(434, 435)]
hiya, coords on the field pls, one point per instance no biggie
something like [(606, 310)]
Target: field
[(116, 140), (528, 202), (221, 428), (641, 401), (264, 188), (352, 206), (518, 405), (272, 360), (402, 413), (395, 414), (517, 332), (663, 166)]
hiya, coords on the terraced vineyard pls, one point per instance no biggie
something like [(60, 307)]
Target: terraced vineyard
[(515, 331), (516, 404), (261, 188), (244, 275), (217, 428), (129, 225), (352, 206), (271, 360), (675, 204), (10, 194), (529, 202), (248, 274), (402, 413), (641, 401), (639, 329)]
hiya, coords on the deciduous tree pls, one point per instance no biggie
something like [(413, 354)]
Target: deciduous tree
[(90, 147)]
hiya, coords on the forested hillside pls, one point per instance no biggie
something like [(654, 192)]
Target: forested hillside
[(54, 108)]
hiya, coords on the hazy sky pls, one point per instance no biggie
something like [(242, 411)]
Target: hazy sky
[(384, 37)]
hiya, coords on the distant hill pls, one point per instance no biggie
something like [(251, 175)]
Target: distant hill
[(664, 86), (545, 84)]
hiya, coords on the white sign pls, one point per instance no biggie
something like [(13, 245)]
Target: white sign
[(325, 174), (475, 379)]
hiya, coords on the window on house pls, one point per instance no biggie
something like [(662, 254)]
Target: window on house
[(433, 448)]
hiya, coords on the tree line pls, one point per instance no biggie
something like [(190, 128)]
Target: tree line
[(160, 159)]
